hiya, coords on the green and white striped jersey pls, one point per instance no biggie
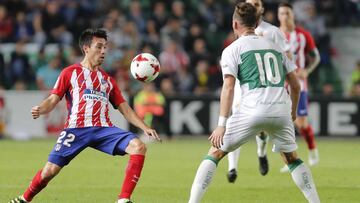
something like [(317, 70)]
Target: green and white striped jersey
[(261, 67)]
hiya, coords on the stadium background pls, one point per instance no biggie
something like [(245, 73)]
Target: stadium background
[(38, 38)]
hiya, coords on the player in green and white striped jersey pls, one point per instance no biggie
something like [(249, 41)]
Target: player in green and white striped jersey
[(262, 68), (273, 34)]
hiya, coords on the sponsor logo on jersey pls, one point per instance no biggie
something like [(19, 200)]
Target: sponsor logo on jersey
[(90, 94)]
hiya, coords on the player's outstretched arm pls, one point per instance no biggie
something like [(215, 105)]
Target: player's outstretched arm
[(226, 99), (294, 92), (45, 107), (134, 119)]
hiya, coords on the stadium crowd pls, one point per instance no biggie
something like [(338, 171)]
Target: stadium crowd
[(39, 38)]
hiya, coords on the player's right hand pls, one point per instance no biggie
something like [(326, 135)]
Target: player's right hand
[(216, 138), (35, 112), (152, 133)]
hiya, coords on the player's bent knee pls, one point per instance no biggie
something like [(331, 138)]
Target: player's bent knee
[(136, 146), (50, 171), (217, 153)]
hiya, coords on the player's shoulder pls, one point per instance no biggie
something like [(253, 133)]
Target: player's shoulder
[(267, 26), (302, 30), (72, 67)]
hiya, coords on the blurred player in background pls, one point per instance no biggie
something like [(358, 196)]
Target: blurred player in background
[(273, 34), (89, 91), (261, 67), (149, 105), (302, 47)]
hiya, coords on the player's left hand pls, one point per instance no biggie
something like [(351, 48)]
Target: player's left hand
[(152, 133), (302, 73), (216, 138)]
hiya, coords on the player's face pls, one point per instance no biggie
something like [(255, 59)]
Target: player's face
[(96, 51), (285, 15), (258, 5)]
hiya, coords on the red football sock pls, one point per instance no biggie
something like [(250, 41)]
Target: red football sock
[(36, 185), (132, 175), (308, 135)]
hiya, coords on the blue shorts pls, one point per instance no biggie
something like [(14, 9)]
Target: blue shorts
[(72, 141), (303, 104)]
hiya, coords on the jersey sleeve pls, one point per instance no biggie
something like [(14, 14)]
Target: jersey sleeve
[(228, 63), (62, 83), (288, 64), (280, 39), (310, 43), (115, 96)]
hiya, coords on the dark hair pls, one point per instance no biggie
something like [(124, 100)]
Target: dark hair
[(246, 14), (87, 36), (285, 5)]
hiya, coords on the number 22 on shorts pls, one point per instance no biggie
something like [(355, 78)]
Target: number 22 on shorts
[(65, 139)]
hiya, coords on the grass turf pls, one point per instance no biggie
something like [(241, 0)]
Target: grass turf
[(169, 171)]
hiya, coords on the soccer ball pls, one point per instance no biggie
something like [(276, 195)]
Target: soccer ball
[(145, 67)]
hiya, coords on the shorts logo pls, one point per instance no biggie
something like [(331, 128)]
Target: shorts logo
[(57, 147)]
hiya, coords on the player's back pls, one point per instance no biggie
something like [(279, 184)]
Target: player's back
[(258, 65)]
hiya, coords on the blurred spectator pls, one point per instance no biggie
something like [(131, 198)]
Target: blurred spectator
[(328, 90), (202, 77), (173, 31), (199, 52), (47, 75), (195, 32), (114, 32), (159, 14), (23, 30), (129, 37), (136, 15), (6, 25), (111, 60), (167, 86), (117, 16), (172, 59), (178, 10), (19, 70), (229, 39), (270, 17), (75, 55), (122, 75), (54, 24), (41, 59), (152, 37), (20, 85), (184, 81), (39, 34), (212, 14)]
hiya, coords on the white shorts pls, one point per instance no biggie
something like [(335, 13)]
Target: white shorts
[(240, 127)]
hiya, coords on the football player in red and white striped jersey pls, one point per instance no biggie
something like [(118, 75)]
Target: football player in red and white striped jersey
[(89, 91), (302, 46)]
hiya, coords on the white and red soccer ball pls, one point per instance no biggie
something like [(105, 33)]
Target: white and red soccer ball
[(145, 67)]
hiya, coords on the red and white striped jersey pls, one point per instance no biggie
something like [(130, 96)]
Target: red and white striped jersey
[(301, 43), (87, 94)]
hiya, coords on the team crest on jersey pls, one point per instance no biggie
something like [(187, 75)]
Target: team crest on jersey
[(103, 81)]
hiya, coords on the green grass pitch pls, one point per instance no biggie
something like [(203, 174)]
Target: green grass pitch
[(169, 171)]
